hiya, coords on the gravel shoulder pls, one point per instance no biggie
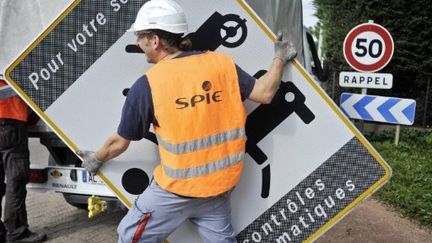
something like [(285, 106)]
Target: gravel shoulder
[(373, 221)]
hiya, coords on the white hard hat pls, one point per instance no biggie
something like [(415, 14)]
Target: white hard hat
[(164, 15)]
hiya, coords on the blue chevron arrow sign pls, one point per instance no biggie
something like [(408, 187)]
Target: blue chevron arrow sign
[(378, 108)]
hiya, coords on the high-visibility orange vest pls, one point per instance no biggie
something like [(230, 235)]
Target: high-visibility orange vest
[(13, 107), (201, 124)]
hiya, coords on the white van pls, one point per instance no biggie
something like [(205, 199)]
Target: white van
[(63, 172)]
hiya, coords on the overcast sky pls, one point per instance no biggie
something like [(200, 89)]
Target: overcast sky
[(308, 13)]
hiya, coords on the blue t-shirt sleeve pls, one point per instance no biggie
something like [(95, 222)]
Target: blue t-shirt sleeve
[(246, 83), (137, 114)]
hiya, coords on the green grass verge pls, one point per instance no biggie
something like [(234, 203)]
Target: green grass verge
[(410, 188)]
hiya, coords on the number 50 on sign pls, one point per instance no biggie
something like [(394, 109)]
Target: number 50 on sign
[(368, 47)]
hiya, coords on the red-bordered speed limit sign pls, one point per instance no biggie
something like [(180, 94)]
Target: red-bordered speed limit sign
[(368, 47)]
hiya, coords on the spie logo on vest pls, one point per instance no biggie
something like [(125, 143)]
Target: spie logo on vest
[(207, 98)]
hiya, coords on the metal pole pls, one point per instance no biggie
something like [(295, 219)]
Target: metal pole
[(397, 135), (426, 102), (363, 92), (333, 85)]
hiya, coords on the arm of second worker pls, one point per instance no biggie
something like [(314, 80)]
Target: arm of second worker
[(113, 147), (266, 86)]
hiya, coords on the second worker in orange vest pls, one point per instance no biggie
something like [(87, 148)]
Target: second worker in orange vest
[(194, 100), (14, 168)]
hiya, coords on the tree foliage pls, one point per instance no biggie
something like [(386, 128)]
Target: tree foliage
[(410, 24)]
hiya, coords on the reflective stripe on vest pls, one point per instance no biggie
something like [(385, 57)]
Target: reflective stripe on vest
[(6, 92), (204, 169), (198, 144)]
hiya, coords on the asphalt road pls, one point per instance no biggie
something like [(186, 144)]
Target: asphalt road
[(48, 212), (371, 221)]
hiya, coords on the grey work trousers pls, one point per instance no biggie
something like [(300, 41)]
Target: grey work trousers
[(157, 213), (15, 168)]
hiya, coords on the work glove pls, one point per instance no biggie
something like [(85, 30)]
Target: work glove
[(90, 162), (284, 48)]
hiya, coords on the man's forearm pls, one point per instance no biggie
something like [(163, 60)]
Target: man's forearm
[(270, 81), (274, 75), (113, 147)]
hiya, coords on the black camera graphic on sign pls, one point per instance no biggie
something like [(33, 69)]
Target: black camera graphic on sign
[(231, 31), (227, 30)]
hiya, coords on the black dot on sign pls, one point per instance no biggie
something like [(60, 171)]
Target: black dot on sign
[(125, 92), (135, 181)]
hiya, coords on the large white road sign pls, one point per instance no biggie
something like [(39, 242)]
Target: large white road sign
[(306, 164)]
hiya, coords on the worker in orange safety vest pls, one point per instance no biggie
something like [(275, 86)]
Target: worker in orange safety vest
[(194, 100), (14, 168)]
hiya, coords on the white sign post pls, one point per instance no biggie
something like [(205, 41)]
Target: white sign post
[(306, 164)]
